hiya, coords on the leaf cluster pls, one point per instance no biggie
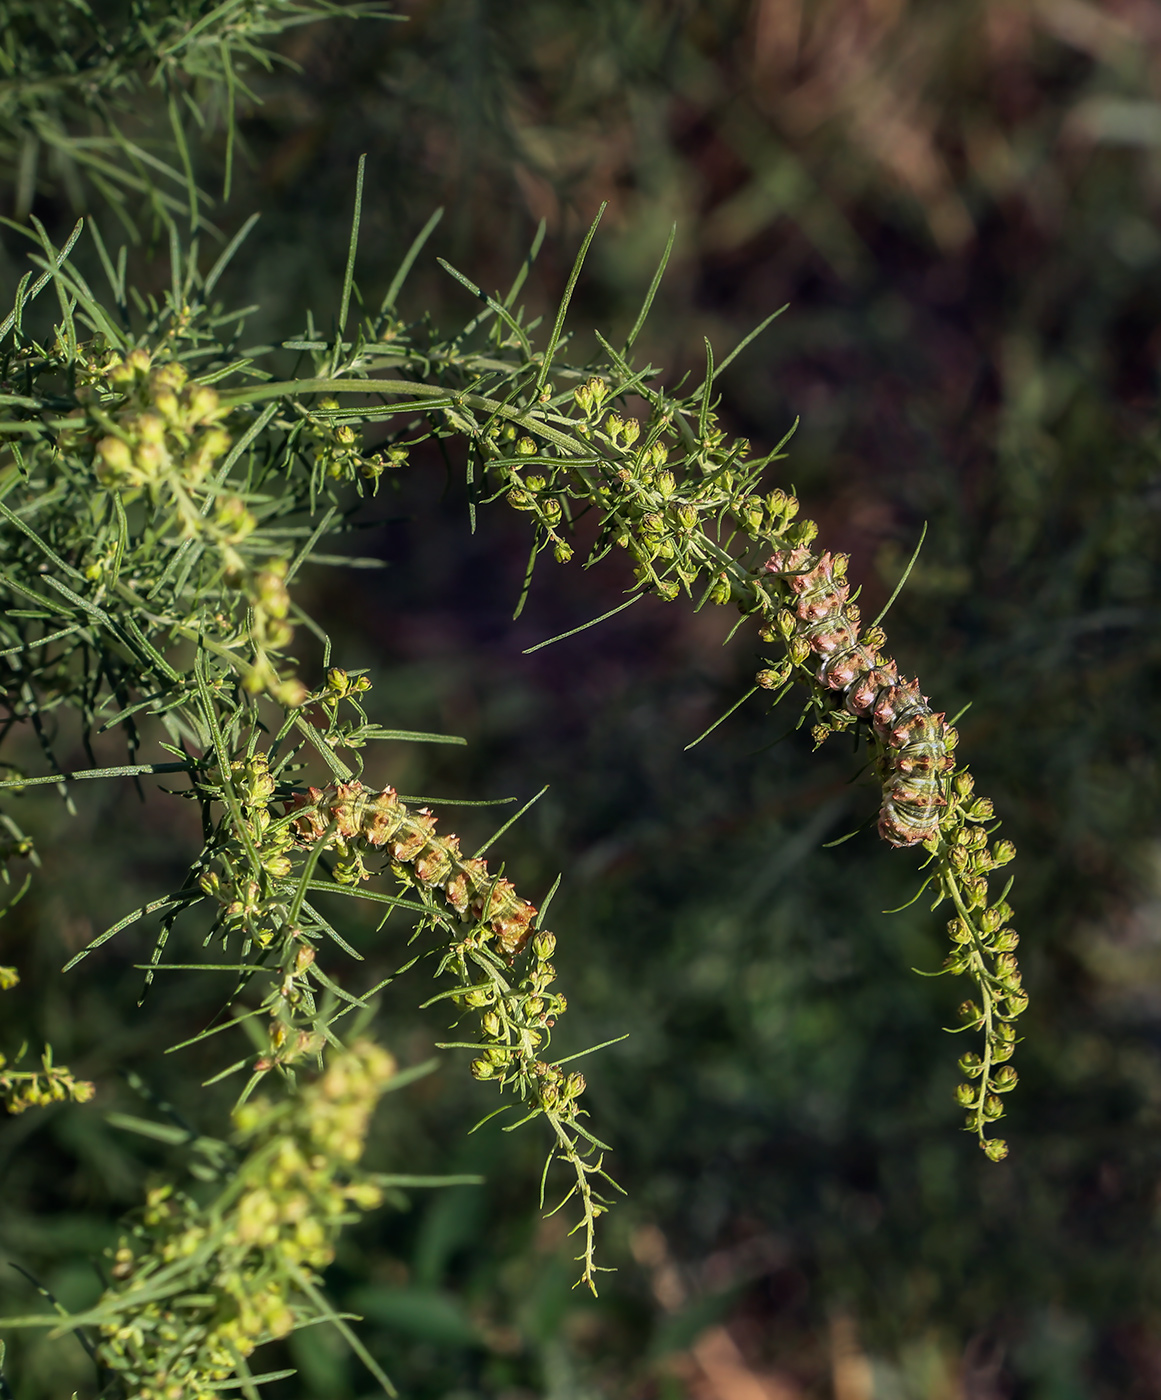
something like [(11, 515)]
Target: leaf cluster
[(83, 84)]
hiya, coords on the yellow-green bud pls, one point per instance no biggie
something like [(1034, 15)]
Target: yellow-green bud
[(720, 592), (772, 677), (114, 459), (290, 694)]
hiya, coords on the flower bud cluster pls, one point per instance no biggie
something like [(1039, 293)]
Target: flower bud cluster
[(678, 500), (160, 434), (493, 925), (527, 489), (196, 1287), (21, 1089), (335, 449), (914, 742), (165, 433), (37, 1088), (355, 821)]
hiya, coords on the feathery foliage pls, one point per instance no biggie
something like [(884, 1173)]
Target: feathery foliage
[(162, 486)]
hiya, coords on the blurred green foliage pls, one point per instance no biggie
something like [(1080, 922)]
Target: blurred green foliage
[(960, 203)]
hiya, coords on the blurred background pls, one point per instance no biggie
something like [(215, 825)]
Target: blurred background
[(959, 204)]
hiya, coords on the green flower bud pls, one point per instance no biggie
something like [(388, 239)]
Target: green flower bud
[(544, 945), (202, 405), (752, 514), (526, 447), (989, 920), (151, 428), (971, 1064), (773, 676), (482, 1069), (786, 623), (965, 1095), (290, 694), (114, 459), (993, 1108), (995, 1149), (1005, 1079)]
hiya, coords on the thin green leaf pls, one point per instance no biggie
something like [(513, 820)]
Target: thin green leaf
[(650, 295), (512, 820), (562, 311), (349, 273), (408, 262), (906, 575)]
